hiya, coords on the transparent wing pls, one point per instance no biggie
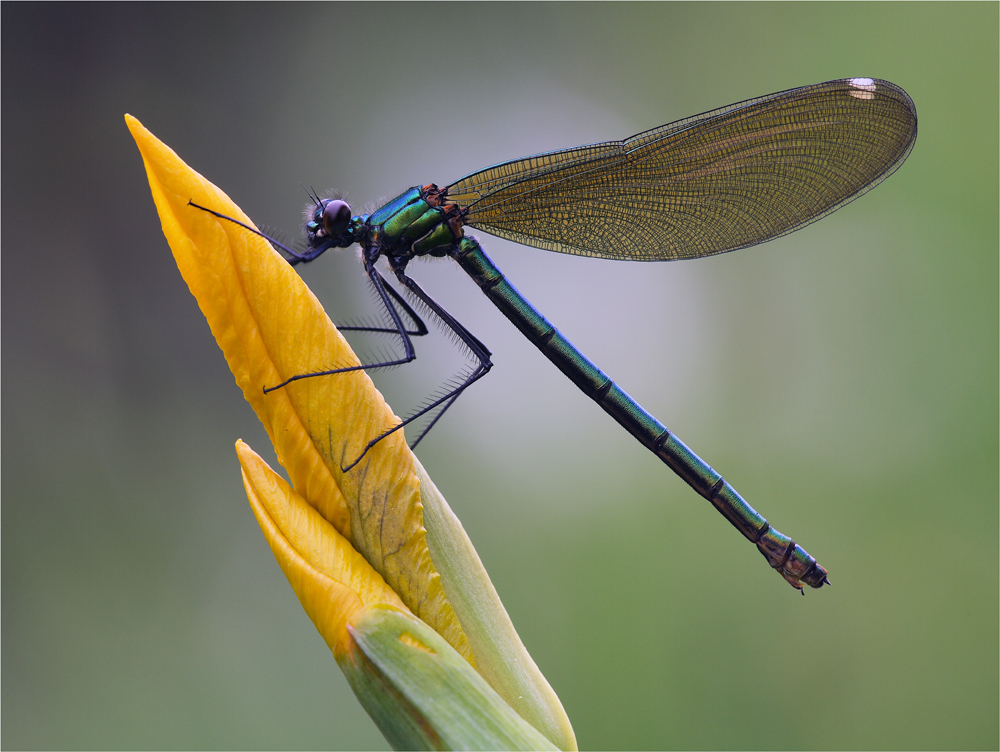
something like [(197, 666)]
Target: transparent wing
[(712, 183)]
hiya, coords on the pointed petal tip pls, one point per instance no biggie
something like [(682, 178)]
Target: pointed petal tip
[(331, 579), (141, 135)]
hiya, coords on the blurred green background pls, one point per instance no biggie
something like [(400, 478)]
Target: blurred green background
[(844, 378)]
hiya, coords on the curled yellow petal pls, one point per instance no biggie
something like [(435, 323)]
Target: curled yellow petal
[(332, 580), (271, 327)]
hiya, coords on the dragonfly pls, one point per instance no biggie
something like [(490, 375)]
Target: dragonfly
[(712, 183)]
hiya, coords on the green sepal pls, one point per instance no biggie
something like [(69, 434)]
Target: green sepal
[(421, 693)]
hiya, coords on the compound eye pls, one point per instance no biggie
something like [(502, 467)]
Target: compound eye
[(336, 217)]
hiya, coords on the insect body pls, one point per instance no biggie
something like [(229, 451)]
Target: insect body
[(716, 182)]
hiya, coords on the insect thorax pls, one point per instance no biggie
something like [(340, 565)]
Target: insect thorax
[(417, 223)]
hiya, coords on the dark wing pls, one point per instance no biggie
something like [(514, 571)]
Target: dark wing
[(715, 182)]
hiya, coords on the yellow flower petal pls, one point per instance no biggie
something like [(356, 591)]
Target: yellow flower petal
[(253, 299), (332, 580), (270, 327)]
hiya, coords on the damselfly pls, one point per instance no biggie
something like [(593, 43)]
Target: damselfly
[(712, 183)]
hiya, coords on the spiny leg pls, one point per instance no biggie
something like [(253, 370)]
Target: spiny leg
[(386, 294), (419, 328), (478, 350)]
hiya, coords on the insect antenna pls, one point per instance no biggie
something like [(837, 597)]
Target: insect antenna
[(296, 255)]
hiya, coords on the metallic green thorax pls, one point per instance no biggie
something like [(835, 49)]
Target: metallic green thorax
[(413, 224)]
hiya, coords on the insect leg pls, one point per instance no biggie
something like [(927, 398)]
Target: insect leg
[(479, 352), (387, 296)]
